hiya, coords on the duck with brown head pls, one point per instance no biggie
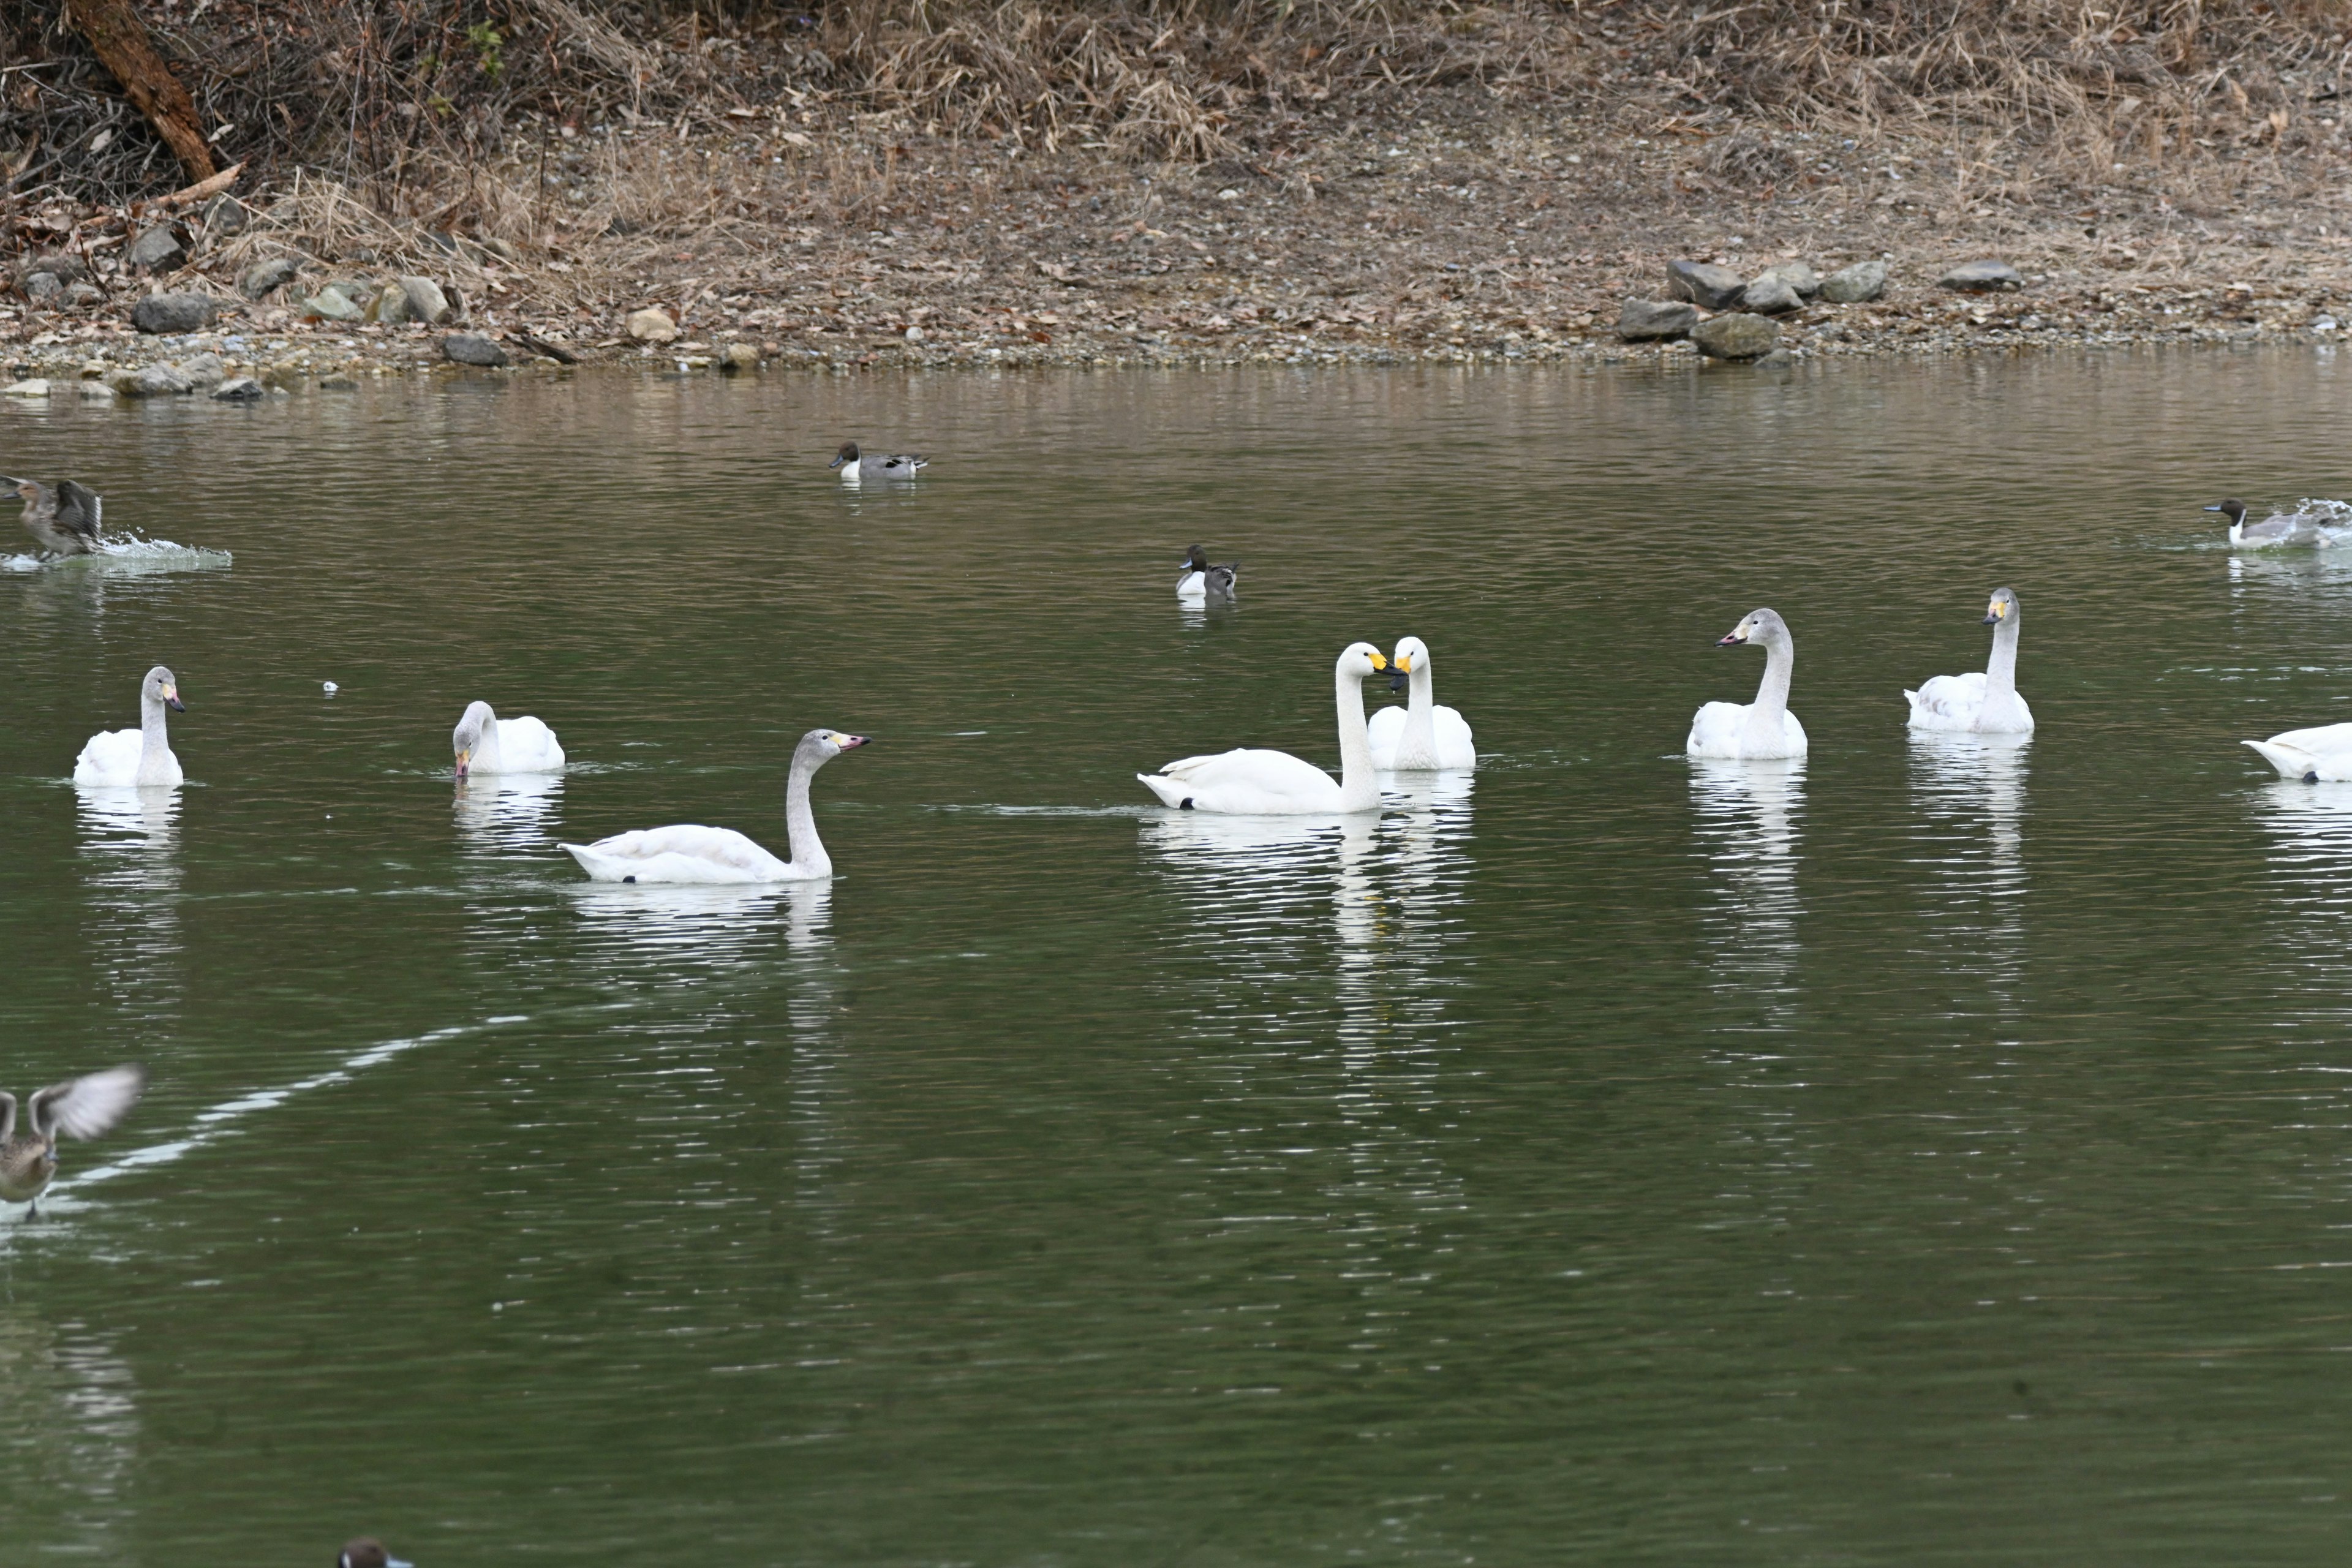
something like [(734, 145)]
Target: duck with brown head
[(855, 465), (64, 520), (80, 1108), (367, 1552)]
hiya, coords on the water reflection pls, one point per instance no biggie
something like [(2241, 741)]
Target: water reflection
[(714, 928), (1969, 845), (513, 814), (70, 1440), (130, 840), (1745, 819), (2310, 826)]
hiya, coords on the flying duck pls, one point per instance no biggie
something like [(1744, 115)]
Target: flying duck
[(64, 520)]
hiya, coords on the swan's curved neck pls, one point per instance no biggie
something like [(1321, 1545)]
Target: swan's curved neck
[(1772, 694), (151, 736), (1360, 788), (1421, 709), (800, 822), (2000, 669)]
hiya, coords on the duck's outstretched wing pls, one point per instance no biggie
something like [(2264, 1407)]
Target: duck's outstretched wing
[(80, 507), (90, 1105)]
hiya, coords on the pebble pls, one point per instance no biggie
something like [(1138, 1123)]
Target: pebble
[(156, 249), (1648, 320), (330, 304), (168, 314), (1799, 276), (1712, 287), (268, 277), (1735, 336), (243, 389), (426, 302), (1770, 296), (652, 326), (472, 348), (1981, 276), (743, 356), (1853, 285)]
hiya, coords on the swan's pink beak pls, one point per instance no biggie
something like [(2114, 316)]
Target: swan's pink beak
[(849, 743)]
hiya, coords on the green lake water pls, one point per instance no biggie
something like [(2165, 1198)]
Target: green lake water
[(1927, 1155)]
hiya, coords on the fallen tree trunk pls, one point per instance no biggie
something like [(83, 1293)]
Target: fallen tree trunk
[(120, 40)]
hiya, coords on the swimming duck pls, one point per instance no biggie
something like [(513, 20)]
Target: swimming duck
[(1199, 580), (1983, 702), (486, 744), (2278, 527), (1252, 782), (84, 1107), (1421, 737), (1764, 728), (64, 520), (367, 1552), (692, 853), (855, 467), (140, 758)]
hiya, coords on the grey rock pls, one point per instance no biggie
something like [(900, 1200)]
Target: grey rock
[(471, 348), (41, 288), (202, 370), (1645, 321), (739, 356), (226, 215), (243, 389), (1735, 336), (426, 303), (83, 294), (1778, 359), (156, 249), (158, 381), (172, 313), (338, 384), (1715, 287), (390, 304), (268, 277), (1770, 296), (1852, 285), (1981, 276), (330, 304), (96, 389), (63, 265), (1795, 274)]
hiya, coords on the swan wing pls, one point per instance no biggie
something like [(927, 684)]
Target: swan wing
[(1947, 701), (1455, 747), (1245, 781), (1714, 730), (686, 853), (525, 746), (110, 757), (1385, 730), (1792, 736)]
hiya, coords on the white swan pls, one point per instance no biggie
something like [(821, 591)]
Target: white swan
[(486, 744), (140, 757), (695, 854), (1421, 737), (2314, 756), (1984, 703), (1248, 782), (1764, 728)]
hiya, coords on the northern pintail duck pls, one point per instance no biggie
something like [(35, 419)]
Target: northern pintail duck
[(854, 466), (1199, 580), (2278, 527), (65, 520), (84, 1107), (367, 1552)]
